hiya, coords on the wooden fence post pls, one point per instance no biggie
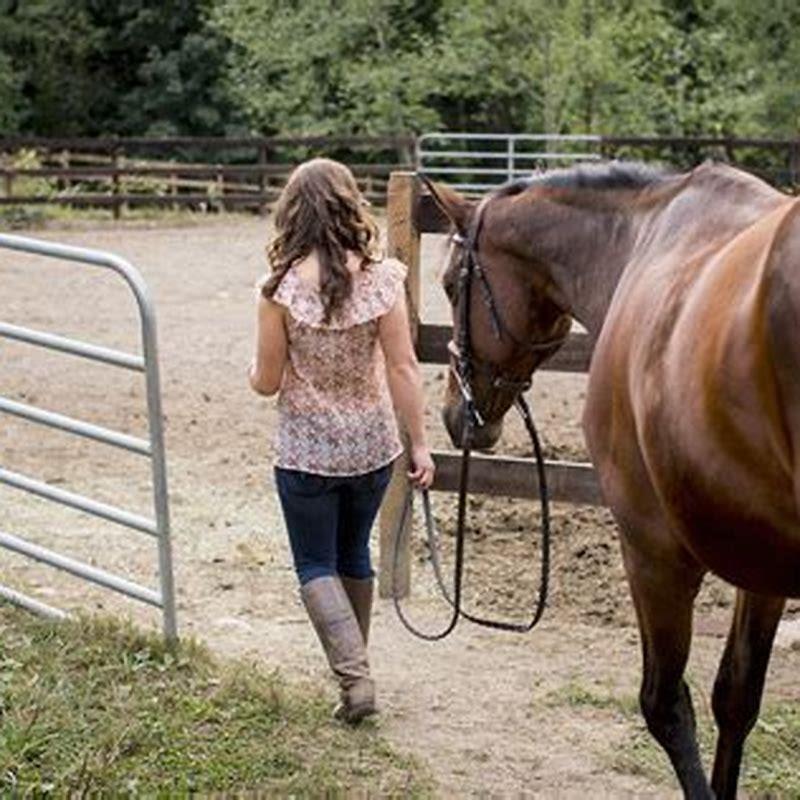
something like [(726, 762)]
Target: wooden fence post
[(172, 189), (220, 187), (402, 243), (263, 180), (116, 207)]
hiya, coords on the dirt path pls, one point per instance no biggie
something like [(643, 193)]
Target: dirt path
[(493, 715)]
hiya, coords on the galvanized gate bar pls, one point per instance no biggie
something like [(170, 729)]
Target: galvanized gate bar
[(147, 363), (508, 170), (72, 346), (96, 432), (71, 565), (77, 501), (509, 149), (497, 154), (37, 606)]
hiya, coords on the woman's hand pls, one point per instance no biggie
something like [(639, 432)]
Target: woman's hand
[(422, 467)]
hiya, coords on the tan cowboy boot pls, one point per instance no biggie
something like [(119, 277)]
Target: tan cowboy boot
[(337, 628), (360, 591)]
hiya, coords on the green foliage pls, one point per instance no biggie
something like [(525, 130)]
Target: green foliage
[(11, 102), (100, 708), (611, 66), (47, 43), (373, 66), (89, 67), (321, 67)]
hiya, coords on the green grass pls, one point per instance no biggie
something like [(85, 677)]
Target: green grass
[(33, 217), (771, 766), (97, 706), (574, 694)]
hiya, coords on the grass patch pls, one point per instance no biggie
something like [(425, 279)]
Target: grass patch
[(98, 706), (52, 216), (771, 757), (574, 694), (770, 764)]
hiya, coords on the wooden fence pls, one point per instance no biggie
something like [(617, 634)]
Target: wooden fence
[(248, 172), (411, 212), (244, 172)]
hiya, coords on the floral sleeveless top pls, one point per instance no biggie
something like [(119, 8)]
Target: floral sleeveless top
[(335, 414)]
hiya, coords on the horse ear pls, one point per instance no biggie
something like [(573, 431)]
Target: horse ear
[(457, 207)]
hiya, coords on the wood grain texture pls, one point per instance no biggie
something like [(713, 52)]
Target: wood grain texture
[(574, 356), (567, 482), (403, 243)]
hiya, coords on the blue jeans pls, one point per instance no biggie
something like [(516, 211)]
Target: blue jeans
[(329, 519)]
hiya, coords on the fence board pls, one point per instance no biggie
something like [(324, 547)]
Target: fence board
[(193, 170), (567, 482), (108, 143), (249, 198), (574, 356), (254, 198)]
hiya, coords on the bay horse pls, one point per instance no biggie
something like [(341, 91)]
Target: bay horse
[(689, 286)]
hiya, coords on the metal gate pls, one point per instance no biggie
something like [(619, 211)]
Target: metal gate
[(151, 448), (478, 162)]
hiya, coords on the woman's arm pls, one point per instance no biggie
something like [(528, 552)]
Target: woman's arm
[(405, 386), (266, 369)]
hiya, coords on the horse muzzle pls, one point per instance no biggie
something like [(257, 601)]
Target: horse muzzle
[(483, 436)]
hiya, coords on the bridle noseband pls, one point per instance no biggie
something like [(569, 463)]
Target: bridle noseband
[(463, 366)]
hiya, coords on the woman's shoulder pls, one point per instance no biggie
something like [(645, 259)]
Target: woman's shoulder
[(299, 298), (287, 287), (380, 284), (389, 269), (375, 290)]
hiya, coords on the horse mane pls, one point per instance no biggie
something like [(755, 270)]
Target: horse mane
[(624, 175)]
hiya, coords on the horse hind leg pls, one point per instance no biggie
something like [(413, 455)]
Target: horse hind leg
[(664, 582), (740, 683)]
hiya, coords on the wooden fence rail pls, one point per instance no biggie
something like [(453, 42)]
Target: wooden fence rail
[(242, 172), (412, 212), (222, 185)]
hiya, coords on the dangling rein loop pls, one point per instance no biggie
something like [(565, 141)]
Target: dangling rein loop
[(454, 599), (463, 371)]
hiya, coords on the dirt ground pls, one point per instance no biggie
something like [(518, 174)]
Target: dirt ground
[(489, 713)]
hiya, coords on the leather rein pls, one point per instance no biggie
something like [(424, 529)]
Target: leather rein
[(464, 366)]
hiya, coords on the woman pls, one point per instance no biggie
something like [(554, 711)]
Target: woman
[(333, 339)]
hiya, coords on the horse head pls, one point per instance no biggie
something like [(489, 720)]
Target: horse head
[(513, 322)]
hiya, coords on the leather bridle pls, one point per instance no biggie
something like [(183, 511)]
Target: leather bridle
[(464, 366)]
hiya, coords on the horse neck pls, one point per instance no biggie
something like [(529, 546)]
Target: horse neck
[(583, 249), (587, 239)]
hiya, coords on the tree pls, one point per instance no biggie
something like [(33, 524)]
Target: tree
[(11, 101), (323, 67), (47, 44), (767, 41), (161, 65), (374, 66), (88, 67)]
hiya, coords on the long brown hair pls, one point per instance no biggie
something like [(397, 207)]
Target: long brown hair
[(321, 209)]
